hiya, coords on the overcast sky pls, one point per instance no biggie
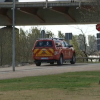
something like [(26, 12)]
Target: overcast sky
[(87, 29)]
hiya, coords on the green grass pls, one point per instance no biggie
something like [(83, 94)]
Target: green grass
[(69, 81)]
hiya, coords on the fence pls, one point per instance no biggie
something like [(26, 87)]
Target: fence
[(89, 59)]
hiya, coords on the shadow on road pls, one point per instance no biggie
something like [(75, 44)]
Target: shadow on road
[(64, 65)]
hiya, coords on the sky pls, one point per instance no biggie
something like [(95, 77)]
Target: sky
[(87, 29)]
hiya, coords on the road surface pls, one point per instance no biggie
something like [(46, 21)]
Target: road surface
[(45, 69)]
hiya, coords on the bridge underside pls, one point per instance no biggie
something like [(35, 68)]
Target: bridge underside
[(53, 15)]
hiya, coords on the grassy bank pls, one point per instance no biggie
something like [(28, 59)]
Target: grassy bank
[(68, 81), (66, 86)]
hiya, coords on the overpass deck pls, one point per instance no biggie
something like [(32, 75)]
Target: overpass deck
[(42, 4), (58, 12)]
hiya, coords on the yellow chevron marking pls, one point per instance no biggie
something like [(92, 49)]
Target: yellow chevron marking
[(35, 50), (45, 52), (51, 50)]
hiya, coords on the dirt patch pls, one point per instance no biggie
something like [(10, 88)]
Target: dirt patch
[(52, 94)]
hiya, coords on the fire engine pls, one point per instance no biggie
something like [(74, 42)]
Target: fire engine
[(53, 50)]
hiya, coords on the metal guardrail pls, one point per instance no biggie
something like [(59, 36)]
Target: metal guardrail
[(88, 58), (57, 1), (42, 4)]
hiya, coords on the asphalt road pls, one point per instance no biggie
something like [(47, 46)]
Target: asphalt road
[(45, 69)]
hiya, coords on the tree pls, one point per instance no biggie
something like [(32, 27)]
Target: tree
[(23, 46), (1, 51), (83, 44), (61, 35), (81, 39), (75, 44), (92, 48), (49, 34)]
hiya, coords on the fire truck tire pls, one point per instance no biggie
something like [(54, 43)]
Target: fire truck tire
[(51, 63), (38, 63), (60, 61), (73, 60)]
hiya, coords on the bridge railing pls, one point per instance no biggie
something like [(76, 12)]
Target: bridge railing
[(47, 3), (60, 1), (89, 59)]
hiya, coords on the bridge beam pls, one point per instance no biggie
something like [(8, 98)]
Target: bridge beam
[(3, 12), (63, 10), (33, 12)]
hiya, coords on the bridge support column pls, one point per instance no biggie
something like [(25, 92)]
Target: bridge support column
[(46, 3), (6, 41)]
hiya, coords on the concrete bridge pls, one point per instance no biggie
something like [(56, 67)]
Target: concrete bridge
[(58, 12)]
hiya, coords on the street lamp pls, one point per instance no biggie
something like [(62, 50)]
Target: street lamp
[(13, 56)]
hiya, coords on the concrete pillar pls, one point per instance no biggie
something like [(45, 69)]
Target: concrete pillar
[(6, 39)]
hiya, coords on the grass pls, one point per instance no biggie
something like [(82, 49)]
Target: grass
[(66, 86), (69, 81)]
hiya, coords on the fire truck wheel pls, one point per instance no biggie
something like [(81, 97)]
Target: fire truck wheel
[(38, 63), (51, 63), (73, 60), (60, 61)]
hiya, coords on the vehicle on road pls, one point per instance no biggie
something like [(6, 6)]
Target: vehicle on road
[(53, 50)]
